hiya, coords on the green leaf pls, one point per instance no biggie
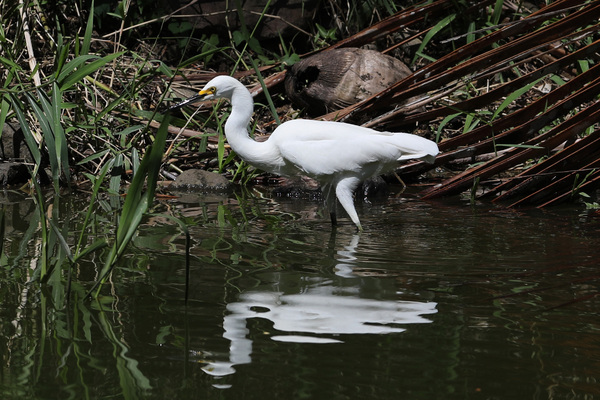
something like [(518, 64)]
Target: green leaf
[(290, 60), (61, 239), (60, 139), (137, 201), (93, 157), (221, 151), (425, 56), (73, 65), (238, 38), (164, 69), (97, 181), (584, 65), (557, 79), (471, 35), (4, 106), (62, 52), (513, 96), (96, 245), (89, 28), (46, 116), (10, 64), (204, 55), (88, 69), (2, 230), (497, 12), (178, 28), (117, 170), (130, 129), (29, 137), (432, 32)]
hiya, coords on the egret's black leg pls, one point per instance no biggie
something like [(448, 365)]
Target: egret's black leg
[(330, 202), (401, 182)]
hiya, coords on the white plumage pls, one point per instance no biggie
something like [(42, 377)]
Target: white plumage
[(338, 155)]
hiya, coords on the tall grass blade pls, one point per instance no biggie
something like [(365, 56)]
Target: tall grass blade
[(66, 81), (432, 32), (96, 245), (497, 12), (471, 33), (4, 106), (64, 71), (137, 201), (10, 73), (48, 116), (444, 122), (2, 230), (513, 96), (61, 240), (60, 139), (266, 91), (117, 170), (97, 182), (89, 28), (62, 54), (9, 64), (30, 138)]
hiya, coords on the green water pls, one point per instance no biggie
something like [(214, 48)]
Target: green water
[(435, 300)]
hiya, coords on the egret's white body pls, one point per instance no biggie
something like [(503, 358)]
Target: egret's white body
[(337, 155)]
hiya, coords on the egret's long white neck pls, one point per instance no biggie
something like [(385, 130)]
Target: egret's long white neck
[(258, 154), (236, 127)]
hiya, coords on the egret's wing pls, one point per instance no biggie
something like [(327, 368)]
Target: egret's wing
[(326, 148), (328, 157)]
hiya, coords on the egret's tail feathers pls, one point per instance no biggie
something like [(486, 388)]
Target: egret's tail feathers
[(413, 147), (429, 159)]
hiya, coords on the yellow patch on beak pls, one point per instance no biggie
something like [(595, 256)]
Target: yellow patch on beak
[(206, 92)]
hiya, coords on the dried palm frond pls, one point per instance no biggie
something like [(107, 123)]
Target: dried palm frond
[(529, 86)]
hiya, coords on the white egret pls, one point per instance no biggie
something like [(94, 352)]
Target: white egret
[(337, 155)]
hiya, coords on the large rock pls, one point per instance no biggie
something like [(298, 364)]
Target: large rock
[(335, 79), (12, 173), (15, 158), (13, 146)]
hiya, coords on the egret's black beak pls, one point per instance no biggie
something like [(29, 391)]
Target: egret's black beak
[(190, 100)]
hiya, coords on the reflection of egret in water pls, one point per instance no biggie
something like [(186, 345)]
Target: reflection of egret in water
[(319, 314), (344, 267)]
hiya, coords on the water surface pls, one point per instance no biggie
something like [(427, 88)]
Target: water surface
[(434, 300)]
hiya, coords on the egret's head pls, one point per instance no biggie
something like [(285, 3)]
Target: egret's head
[(219, 87)]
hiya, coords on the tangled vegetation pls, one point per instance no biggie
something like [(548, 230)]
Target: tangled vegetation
[(86, 95)]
